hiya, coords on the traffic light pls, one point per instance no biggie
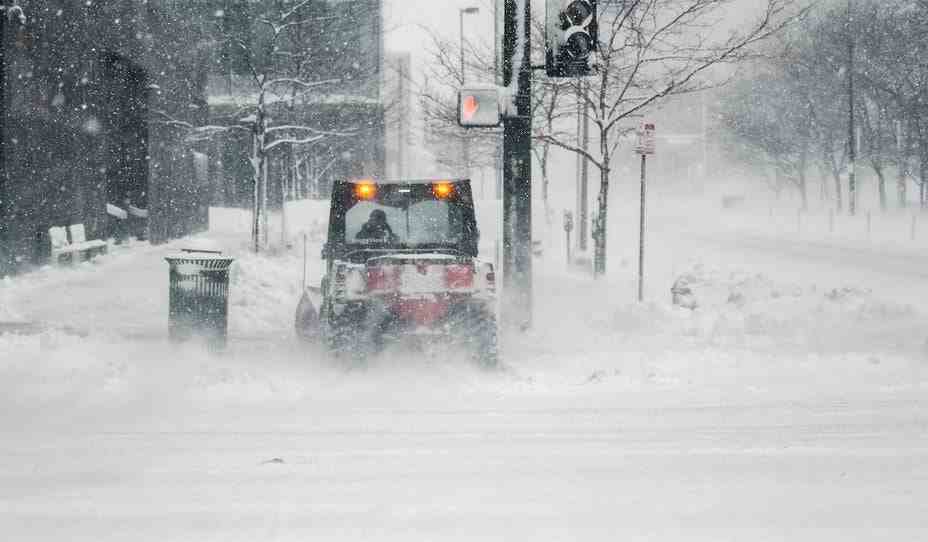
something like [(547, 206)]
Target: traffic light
[(478, 107), (571, 36)]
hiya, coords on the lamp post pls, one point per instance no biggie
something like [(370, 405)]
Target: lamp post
[(12, 14), (465, 154)]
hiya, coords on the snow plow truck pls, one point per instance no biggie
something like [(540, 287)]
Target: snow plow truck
[(401, 261)]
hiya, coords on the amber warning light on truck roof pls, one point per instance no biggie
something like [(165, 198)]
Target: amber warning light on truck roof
[(442, 190), (365, 189)]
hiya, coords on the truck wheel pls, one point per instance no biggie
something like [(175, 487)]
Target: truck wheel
[(484, 337), (351, 338)]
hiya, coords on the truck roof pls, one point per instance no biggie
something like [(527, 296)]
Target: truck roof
[(404, 181)]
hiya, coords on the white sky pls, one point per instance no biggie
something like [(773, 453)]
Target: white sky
[(406, 20)]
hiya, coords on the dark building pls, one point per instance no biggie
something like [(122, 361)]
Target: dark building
[(96, 93)]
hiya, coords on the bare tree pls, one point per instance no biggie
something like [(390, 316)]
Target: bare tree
[(438, 101), (281, 65), (770, 124), (650, 50)]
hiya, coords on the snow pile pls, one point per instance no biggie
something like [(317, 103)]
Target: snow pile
[(7, 312), (752, 310), (263, 293)]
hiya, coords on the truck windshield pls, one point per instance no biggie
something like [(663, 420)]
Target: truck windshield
[(424, 222)]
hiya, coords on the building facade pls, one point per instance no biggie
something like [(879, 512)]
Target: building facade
[(89, 86)]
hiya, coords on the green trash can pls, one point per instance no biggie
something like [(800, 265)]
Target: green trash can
[(199, 297)]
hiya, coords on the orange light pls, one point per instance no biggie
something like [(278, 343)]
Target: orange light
[(365, 190), (442, 190)]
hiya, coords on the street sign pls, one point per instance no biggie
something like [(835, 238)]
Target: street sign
[(646, 139)]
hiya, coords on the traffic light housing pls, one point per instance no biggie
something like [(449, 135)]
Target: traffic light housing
[(478, 107), (571, 37)]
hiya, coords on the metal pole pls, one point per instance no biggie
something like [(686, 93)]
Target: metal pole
[(464, 150), (641, 229), (579, 203), (401, 144), (517, 170), (584, 216), (568, 248), (461, 35), (12, 13), (304, 261)]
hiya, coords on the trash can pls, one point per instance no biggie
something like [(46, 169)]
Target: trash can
[(199, 297)]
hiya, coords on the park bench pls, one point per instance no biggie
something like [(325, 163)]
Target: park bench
[(75, 250)]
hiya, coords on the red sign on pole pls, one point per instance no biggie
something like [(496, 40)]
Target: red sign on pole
[(646, 139)]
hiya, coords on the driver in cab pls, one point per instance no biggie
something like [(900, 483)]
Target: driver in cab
[(377, 229)]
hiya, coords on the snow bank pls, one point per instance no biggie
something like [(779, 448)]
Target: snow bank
[(753, 310)]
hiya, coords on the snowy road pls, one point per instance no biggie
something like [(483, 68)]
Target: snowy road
[(507, 469), (793, 414)]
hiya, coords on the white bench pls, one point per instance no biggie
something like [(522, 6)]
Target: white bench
[(63, 251)]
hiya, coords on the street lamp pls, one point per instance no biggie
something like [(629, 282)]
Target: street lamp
[(462, 12), (464, 149), (12, 14)]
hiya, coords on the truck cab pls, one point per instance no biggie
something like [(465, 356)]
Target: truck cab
[(401, 259)]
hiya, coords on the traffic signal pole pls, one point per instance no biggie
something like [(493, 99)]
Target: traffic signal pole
[(517, 169)]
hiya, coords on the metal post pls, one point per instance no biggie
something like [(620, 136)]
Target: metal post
[(464, 157), (465, 148), (401, 144), (517, 170), (13, 14), (641, 230), (568, 248), (584, 210), (579, 203), (461, 35)]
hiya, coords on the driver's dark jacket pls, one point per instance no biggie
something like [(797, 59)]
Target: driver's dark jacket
[(371, 230)]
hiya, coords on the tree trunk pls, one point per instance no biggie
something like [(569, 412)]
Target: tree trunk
[(833, 165), (839, 198), (264, 213), (803, 190), (803, 185), (256, 165), (544, 185), (823, 192), (923, 170), (902, 187), (599, 230), (878, 169)]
